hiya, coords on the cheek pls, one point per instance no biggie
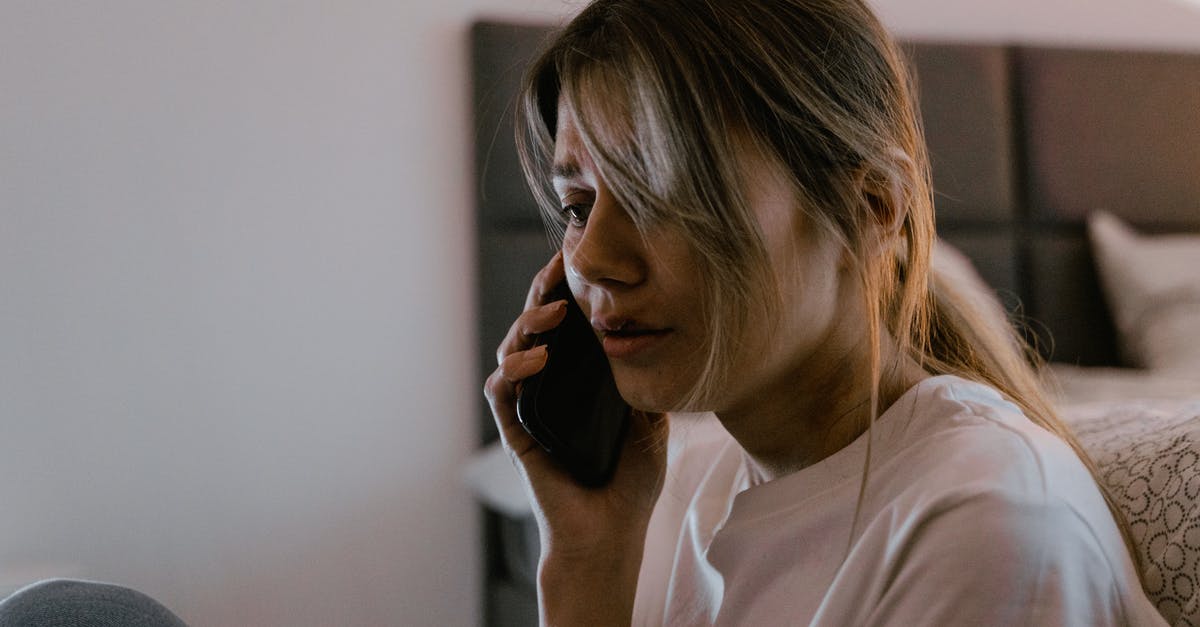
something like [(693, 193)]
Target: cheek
[(816, 290), (573, 279), (808, 283)]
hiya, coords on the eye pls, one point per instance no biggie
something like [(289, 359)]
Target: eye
[(576, 206), (575, 215)]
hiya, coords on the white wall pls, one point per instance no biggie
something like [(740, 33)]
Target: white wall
[(1152, 24), (236, 315)]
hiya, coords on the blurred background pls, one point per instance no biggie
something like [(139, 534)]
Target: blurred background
[(236, 292)]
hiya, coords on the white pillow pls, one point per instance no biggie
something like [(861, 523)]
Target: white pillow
[(951, 265), (1152, 284)]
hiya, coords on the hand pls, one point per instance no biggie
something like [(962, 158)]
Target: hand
[(602, 526)]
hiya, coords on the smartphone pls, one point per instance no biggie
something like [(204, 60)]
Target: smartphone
[(572, 407)]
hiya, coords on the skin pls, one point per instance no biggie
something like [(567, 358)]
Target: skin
[(799, 393)]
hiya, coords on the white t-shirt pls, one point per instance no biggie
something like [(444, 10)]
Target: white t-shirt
[(973, 516)]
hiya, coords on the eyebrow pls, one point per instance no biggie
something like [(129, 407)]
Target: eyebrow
[(566, 170)]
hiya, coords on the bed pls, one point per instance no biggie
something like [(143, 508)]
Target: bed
[(1068, 179)]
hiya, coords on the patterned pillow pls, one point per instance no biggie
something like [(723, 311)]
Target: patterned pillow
[(1148, 454)]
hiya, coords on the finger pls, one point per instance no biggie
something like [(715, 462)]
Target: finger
[(501, 394), (530, 323), (517, 366), (545, 281)]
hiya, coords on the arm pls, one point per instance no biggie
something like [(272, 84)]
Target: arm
[(591, 591)]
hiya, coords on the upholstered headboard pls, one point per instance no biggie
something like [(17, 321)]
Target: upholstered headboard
[(1025, 142), (1098, 129)]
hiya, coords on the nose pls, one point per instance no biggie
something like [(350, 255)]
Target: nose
[(609, 251)]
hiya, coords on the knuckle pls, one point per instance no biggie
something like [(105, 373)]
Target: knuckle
[(540, 278), (504, 370)]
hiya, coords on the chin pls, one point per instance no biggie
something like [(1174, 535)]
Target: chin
[(645, 394)]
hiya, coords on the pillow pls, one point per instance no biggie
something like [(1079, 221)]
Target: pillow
[(1152, 285), (1148, 456), (951, 266)]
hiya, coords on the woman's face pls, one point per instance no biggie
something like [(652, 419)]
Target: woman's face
[(643, 294)]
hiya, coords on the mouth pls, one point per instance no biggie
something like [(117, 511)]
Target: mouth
[(627, 339)]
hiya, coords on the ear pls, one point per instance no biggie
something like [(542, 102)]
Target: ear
[(884, 204), (884, 199)]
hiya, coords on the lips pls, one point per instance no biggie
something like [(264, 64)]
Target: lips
[(625, 338)]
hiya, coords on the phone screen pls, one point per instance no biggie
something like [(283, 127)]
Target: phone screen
[(572, 407)]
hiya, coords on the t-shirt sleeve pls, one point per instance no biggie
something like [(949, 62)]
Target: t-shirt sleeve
[(1005, 559)]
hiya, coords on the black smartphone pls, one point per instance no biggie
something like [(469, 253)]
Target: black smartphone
[(572, 407)]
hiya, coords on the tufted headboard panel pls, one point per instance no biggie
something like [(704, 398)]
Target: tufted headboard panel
[(967, 90)]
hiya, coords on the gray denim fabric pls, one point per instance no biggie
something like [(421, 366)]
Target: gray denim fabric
[(74, 603)]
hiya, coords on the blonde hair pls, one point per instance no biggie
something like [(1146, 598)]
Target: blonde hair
[(667, 92)]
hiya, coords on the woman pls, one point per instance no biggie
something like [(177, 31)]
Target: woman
[(742, 195)]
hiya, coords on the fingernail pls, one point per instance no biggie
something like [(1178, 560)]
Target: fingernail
[(537, 352)]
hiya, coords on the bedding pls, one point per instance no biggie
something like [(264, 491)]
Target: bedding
[(1072, 385), (1148, 454)]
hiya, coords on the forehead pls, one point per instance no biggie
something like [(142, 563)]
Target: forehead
[(569, 153), (594, 111)]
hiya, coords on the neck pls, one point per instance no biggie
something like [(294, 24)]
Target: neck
[(811, 410)]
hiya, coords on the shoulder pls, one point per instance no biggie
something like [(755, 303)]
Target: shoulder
[(982, 516), (962, 437), (973, 454)]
